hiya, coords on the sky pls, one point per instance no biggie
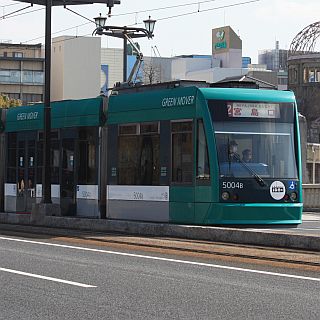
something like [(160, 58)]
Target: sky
[(258, 23)]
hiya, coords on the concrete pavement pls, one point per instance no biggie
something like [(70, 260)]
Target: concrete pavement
[(305, 236)]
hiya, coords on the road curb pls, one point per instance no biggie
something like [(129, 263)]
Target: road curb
[(216, 234)]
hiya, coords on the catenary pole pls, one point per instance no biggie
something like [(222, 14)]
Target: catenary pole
[(46, 174)]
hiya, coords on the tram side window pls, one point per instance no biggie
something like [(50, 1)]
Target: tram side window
[(39, 161), (182, 155), (55, 161), (203, 169), (12, 158), (87, 156), (138, 154), (55, 157)]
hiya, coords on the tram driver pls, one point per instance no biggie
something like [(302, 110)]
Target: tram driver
[(247, 156), (233, 155)]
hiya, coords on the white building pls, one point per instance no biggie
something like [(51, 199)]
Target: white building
[(75, 67), (111, 67)]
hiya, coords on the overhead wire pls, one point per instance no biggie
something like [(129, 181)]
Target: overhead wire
[(11, 13), (40, 37), (80, 15), (10, 5), (163, 8), (205, 10), (199, 10), (71, 38)]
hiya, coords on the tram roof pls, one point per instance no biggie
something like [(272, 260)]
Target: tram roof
[(175, 101), (247, 94), (64, 114), (170, 97), (224, 91)]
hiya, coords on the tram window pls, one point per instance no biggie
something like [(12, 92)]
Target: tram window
[(55, 158), (185, 126), (182, 155), (54, 135), (12, 140), (39, 161), (11, 175), (12, 158), (31, 154), (146, 128), (87, 162), (128, 129), (55, 155), (87, 156), (21, 153), (138, 156), (203, 170)]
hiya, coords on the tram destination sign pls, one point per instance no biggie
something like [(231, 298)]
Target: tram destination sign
[(253, 110)]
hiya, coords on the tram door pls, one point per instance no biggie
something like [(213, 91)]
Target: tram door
[(26, 194), (68, 177)]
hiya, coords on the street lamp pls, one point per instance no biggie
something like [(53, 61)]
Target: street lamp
[(127, 34), (149, 24), (100, 21)]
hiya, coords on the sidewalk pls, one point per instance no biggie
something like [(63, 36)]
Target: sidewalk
[(278, 237)]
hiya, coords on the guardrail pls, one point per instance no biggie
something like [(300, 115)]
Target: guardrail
[(311, 196)]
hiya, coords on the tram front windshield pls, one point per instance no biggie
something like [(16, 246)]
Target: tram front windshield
[(254, 138)]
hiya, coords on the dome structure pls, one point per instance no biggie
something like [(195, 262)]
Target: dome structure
[(305, 41)]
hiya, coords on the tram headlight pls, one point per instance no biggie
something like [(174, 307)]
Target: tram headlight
[(293, 196), (235, 197), (225, 195)]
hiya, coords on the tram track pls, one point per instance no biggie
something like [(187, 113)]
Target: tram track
[(200, 249)]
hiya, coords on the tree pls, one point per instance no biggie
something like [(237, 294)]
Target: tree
[(152, 73), (6, 102)]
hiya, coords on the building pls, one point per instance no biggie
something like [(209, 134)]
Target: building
[(111, 67), (224, 62), (304, 81), (275, 59), (227, 47), (245, 62), (75, 68), (22, 72)]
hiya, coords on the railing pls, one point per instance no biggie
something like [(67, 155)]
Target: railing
[(311, 196)]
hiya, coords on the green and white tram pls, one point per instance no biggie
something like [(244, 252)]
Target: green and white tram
[(204, 156), (178, 152)]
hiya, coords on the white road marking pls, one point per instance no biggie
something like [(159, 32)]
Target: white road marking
[(78, 284), (284, 275)]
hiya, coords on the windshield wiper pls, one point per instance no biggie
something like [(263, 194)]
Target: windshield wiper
[(233, 154), (260, 181)]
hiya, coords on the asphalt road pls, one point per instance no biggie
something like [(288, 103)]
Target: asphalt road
[(47, 278)]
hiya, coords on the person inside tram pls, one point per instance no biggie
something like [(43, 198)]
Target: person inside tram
[(21, 186), (233, 152), (247, 156)]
